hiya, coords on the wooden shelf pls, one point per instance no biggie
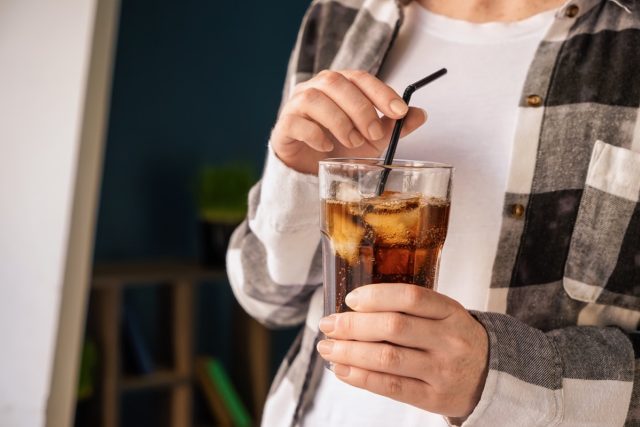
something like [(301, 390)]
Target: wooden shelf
[(160, 379), (109, 282)]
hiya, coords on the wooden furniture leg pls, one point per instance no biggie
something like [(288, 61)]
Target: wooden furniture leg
[(181, 395), (109, 299), (259, 345)]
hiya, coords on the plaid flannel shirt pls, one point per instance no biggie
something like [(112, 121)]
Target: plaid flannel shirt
[(564, 303)]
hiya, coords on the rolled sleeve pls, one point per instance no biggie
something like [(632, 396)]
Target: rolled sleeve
[(576, 376)]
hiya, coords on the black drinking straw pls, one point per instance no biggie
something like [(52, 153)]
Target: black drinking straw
[(395, 135)]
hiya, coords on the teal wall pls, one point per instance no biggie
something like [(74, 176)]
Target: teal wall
[(195, 82)]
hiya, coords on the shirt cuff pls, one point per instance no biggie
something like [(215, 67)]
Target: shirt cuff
[(289, 200), (524, 389)]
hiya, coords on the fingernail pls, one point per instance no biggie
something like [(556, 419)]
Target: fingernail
[(341, 370), (352, 299), (325, 347), (355, 138), (327, 324), (375, 131), (425, 115), (398, 107)]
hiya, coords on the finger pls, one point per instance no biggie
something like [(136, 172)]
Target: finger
[(352, 101), (317, 106), (415, 118), (297, 128), (403, 298), (379, 357), (396, 328), (382, 95), (407, 390)]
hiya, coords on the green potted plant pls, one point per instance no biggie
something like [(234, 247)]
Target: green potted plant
[(222, 205)]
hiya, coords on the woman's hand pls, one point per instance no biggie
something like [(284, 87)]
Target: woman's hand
[(411, 344), (334, 115)]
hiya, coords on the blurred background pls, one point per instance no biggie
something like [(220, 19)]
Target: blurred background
[(195, 92)]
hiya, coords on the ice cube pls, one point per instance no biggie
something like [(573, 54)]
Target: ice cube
[(392, 261), (394, 221), (347, 192), (345, 235)]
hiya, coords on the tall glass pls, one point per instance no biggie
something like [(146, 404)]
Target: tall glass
[(396, 237)]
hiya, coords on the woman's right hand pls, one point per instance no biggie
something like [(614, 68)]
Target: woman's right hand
[(334, 115)]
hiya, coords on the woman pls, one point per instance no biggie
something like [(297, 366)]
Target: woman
[(539, 116)]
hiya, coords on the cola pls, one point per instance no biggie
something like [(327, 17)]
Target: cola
[(392, 238)]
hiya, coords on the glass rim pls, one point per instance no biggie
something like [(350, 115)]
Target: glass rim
[(375, 162)]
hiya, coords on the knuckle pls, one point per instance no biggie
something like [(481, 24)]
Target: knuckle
[(359, 74), (340, 350), (294, 102), (458, 344), (344, 324), (282, 127), (458, 308), (363, 106), (309, 96), (314, 133), (396, 324), (286, 122), (366, 380), (392, 386), (343, 124), (289, 105), (414, 296), (389, 357), (329, 78)]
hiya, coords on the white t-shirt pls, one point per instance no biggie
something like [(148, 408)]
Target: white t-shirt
[(472, 119)]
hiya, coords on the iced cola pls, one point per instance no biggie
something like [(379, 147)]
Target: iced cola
[(393, 238)]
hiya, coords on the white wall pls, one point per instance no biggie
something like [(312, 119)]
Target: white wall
[(45, 48)]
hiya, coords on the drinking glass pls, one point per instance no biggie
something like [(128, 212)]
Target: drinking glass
[(393, 237)]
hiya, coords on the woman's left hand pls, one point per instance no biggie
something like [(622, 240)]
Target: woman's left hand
[(411, 344)]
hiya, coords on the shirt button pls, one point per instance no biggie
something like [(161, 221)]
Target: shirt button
[(571, 11), (534, 100), (517, 210)]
